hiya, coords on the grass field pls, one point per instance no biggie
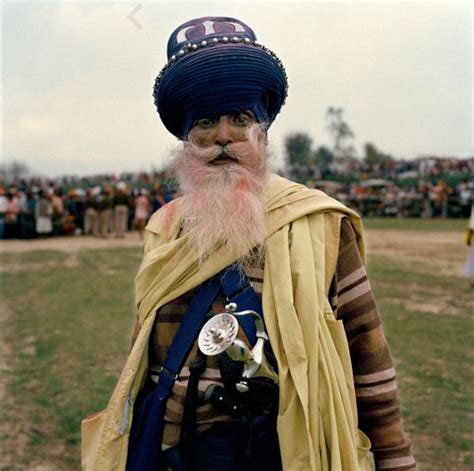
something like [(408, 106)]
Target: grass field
[(66, 317)]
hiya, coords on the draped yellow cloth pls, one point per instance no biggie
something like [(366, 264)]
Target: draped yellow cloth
[(317, 422)]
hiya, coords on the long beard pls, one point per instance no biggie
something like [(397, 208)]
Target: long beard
[(223, 204)]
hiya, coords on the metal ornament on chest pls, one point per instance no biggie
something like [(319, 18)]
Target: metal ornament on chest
[(219, 335)]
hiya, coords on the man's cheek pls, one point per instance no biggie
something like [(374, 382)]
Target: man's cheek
[(199, 141)]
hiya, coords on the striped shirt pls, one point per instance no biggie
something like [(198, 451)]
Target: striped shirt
[(374, 376)]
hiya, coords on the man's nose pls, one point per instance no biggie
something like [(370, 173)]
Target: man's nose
[(223, 132)]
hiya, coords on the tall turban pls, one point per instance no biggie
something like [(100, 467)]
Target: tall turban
[(216, 67)]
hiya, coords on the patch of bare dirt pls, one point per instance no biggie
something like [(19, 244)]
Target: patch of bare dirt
[(70, 244), (444, 251)]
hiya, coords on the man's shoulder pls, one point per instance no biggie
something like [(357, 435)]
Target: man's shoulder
[(164, 218), (296, 196)]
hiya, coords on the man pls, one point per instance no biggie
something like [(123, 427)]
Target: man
[(121, 203), (91, 214), (105, 211), (295, 252)]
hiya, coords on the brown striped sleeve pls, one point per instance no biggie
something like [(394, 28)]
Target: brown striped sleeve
[(374, 374)]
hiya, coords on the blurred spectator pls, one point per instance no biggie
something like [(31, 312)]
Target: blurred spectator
[(440, 196), (12, 226), (104, 207), (91, 214), (44, 214), (142, 211), (159, 198), (27, 216), (469, 267), (58, 210), (121, 210), (73, 220), (424, 189), (465, 197), (3, 211)]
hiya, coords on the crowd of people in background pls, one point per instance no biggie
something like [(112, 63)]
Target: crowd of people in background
[(110, 205), (425, 187), (382, 198), (101, 206)]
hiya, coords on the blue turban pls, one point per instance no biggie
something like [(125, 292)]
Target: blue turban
[(216, 67)]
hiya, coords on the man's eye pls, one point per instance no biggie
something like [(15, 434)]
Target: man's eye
[(243, 119), (204, 123)]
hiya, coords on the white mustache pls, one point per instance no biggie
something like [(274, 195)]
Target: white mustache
[(224, 152)]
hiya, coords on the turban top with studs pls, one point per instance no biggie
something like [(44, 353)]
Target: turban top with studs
[(216, 67)]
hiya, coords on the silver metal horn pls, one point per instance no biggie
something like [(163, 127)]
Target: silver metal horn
[(219, 335)]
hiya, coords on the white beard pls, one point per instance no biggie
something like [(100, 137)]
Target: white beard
[(223, 204)]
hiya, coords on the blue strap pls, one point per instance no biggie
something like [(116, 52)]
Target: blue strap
[(189, 327)]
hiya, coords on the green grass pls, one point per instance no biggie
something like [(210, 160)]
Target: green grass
[(415, 224), (432, 347), (68, 329), (67, 321)]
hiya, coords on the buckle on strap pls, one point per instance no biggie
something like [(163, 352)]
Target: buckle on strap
[(169, 373)]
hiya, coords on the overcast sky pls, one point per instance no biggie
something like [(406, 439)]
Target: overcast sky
[(77, 78)]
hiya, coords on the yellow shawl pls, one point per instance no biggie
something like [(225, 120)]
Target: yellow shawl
[(317, 422)]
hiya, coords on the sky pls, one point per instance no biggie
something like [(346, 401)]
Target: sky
[(77, 78)]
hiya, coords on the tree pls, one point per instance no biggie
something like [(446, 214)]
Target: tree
[(298, 148), (13, 170), (373, 156), (340, 131), (323, 157)]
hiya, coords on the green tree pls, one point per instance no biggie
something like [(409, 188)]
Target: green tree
[(298, 148), (323, 157), (373, 156), (13, 170)]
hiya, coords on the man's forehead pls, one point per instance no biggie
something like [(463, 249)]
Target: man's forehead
[(228, 114)]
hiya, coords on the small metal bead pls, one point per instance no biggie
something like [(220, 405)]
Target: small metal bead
[(188, 45), (247, 41), (225, 39), (194, 47), (181, 53), (203, 43), (215, 40), (173, 58), (235, 39)]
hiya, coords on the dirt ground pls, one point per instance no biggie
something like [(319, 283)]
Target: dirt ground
[(442, 249), (445, 251), (70, 244)]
